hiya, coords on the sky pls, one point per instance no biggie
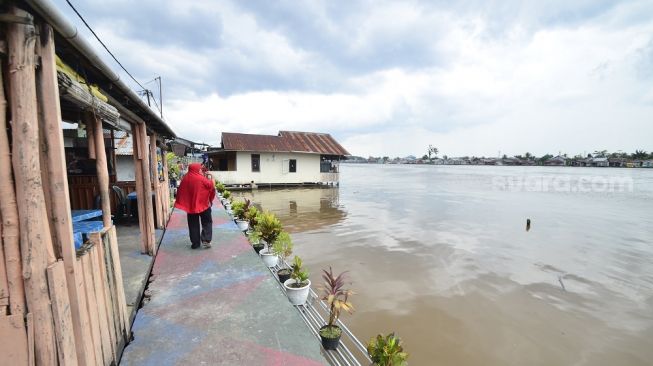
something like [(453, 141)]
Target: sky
[(388, 78)]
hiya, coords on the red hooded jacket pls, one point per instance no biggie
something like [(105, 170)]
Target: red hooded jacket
[(195, 193)]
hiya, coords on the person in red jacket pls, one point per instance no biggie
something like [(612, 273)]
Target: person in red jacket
[(195, 196)]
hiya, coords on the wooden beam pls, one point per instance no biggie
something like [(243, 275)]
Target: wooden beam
[(147, 185), (60, 214), (101, 167), (65, 334), (9, 213), (140, 189), (35, 239)]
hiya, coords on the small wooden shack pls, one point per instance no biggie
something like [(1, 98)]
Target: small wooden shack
[(62, 305)]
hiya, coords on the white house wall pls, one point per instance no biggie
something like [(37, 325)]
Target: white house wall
[(272, 170), (125, 168)]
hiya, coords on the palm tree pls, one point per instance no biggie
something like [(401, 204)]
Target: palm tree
[(432, 150)]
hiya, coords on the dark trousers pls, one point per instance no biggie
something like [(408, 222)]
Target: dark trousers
[(194, 227)]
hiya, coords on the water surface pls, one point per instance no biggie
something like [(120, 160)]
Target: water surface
[(440, 255)]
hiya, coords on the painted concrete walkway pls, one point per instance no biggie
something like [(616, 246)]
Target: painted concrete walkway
[(217, 306)]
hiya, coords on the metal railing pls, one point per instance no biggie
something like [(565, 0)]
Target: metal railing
[(350, 351)]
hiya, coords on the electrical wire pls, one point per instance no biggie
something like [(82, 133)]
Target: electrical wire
[(102, 43)]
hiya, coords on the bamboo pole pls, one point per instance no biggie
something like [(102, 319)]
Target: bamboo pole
[(140, 189), (36, 242), (102, 168), (147, 185), (60, 215), (9, 213)]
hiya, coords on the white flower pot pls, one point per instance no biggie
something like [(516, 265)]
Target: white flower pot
[(243, 225), (269, 259), (297, 296)]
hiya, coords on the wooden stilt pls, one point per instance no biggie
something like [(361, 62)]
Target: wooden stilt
[(147, 185), (9, 213), (140, 189), (35, 239), (63, 321), (60, 214)]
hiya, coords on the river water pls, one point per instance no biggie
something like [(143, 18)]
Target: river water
[(441, 255)]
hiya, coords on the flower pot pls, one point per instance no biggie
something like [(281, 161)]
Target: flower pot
[(270, 259), (283, 274), (243, 225), (258, 247), (330, 343), (297, 295)]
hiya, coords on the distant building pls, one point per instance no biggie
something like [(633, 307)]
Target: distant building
[(647, 164), (556, 161), (599, 162), (287, 158), (616, 162)]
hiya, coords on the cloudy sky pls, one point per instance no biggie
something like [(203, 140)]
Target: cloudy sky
[(389, 78)]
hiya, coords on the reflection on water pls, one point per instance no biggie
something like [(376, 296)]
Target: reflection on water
[(441, 256)]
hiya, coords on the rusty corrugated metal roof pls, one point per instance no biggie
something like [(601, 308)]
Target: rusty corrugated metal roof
[(286, 141)]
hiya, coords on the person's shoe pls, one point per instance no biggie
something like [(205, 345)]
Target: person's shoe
[(206, 245), (194, 247)]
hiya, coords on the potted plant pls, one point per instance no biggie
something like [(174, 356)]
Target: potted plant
[(220, 188), (240, 210), (337, 298), (252, 216), (387, 351), (269, 226), (226, 200), (298, 286), (254, 238), (282, 246)]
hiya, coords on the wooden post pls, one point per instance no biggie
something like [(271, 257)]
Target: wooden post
[(147, 184), (101, 167), (35, 239), (140, 189), (60, 216), (166, 185), (9, 213), (92, 307), (155, 182), (90, 137), (117, 272)]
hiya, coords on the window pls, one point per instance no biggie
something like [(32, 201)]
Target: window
[(256, 162), (292, 166)]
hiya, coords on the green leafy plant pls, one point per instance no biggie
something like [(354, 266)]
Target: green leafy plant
[(254, 237), (269, 226), (282, 247), (387, 351), (252, 216), (220, 187), (337, 298), (226, 195), (240, 209), (299, 274)]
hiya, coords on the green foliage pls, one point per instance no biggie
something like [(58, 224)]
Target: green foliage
[(336, 295), (226, 195), (240, 209), (269, 226), (331, 332), (252, 216), (220, 187), (299, 274), (282, 245), (387, 351), (254, 237), (173, 168)]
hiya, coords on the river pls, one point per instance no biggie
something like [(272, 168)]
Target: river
[(441, 255)]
